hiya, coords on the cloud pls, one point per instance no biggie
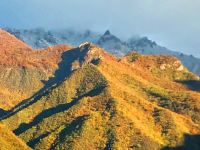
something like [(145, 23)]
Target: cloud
[(173, 23)]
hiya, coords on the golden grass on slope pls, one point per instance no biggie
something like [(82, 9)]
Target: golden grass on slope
[(108, 105), (22, 69), (9, 141), (10, 99), (162, 66), (135, 103)]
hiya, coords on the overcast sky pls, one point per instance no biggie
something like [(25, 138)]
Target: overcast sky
[(171, 23)]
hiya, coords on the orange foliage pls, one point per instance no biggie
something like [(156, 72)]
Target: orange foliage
[(16, 53)]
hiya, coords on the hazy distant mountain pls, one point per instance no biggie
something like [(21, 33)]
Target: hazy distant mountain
[(113, 44), (63, 97), (39, 38), (146, 46)]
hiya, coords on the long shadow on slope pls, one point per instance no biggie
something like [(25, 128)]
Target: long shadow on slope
[(59, 108), (69, 128), (191, 142), (33, 142), (63, 71), (74, 126), (2, 112), (191, 84)]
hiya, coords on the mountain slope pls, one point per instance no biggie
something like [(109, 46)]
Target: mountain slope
[(109, 103), (8, 42), (9, 141), (21, 66), (161, 66), (145, 46)]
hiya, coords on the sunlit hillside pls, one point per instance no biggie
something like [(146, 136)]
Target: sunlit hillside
[(9, 141), (85, 98), (21, 66)]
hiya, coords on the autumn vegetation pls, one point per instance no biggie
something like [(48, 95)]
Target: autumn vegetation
[(84, 98)]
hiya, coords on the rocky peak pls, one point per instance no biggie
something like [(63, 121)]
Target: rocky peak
[(91, 50), (86, 53), (107, 33), (85, 45), (107, 37)]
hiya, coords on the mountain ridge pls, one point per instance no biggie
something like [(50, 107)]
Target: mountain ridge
[(39, 38), (92, 97)]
